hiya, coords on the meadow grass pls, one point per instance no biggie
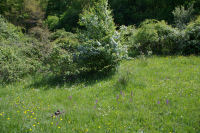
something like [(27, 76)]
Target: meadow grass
[(155, 94)]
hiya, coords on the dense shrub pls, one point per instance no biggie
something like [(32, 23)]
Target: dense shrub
[(52, 22), (40, 33), (100, 49), (192, 45), (61, 56), (127, 34), (182, 16), (13, 66), (19, 54), (9, 32), (157, 37)]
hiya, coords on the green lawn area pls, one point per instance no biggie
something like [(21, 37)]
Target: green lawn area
[(155, 94)]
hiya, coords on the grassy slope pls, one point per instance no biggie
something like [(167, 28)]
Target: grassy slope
[(162, 95)]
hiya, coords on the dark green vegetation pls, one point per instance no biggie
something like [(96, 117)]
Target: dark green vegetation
[(66, 12), (157, 94), (78, 56)]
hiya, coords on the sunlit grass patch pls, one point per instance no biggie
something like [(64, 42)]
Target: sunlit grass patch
[(162, 96)]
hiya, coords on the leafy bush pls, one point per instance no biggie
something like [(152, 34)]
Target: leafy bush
[(13, 66), (61, 62), (19, 54), (100, 47), (52, 22), (61, 55), (192, 45), (42, 34), (182, 16), (126, 39), (9, 32), (155, 36)]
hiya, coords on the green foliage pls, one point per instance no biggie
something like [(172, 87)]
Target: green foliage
[(68, 12), (61, 62), (19, 54), (40, 33), (52, 22), (129, 12), (182, 16), (61, 56), (99, 51), (192, 45), (155, 36), (11, 66), (9, 32)]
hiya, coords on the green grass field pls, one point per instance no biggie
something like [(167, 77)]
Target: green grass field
[(155, 94)]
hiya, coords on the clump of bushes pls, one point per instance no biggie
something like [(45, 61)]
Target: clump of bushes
[(192, 32), (52, 22), (19, 54), (154, 37)]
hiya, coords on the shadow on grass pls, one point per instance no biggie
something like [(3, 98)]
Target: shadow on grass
[(49, 80)]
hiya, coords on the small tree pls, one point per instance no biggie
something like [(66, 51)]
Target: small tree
[(182, 16), (100, 49)]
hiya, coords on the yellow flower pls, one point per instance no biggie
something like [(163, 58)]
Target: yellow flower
[(34, 125), (58, 126), (51, 123), (1, 114), (30, 129), (25, 112), (61, 119), (34, 118), (99, 126), (31, 116), (8, 118), (54, 116), (86, 130), (38, 123)]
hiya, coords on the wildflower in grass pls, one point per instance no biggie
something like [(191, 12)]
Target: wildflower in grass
[(32, 113), (25, 112), (34, 125), (1, 114), (69, 121), (96, 101), (158, 102), (61, 119), (99, 127), (117, 97), (167, 101), (30, 129), (54, 116), (38, 123), (34, 118), (58, 126), (51, 123), (70, 97), (8, 118)]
